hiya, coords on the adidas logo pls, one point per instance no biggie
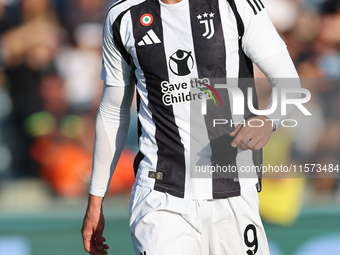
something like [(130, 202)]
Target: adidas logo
[(149, 38), (143, 253)]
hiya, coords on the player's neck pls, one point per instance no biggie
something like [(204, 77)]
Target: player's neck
[(171, 1)]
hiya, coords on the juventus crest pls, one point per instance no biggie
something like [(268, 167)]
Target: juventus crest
[(207, 19)]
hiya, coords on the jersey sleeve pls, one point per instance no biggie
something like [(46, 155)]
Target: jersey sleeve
[(112, 124), (115, 70), (260, 39)]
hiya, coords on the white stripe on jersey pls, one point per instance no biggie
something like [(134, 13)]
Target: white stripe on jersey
[(196, 187)]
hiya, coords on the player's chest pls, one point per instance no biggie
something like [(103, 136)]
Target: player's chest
[(178, 34)]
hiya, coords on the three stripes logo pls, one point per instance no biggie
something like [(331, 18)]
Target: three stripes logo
[(256, 5), (149, 39), (143, 253)]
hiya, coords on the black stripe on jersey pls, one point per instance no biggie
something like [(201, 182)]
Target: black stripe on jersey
[(257, 159), (246, 73), (139, 157), (211, 63), (118, 39), (153, 62), (114, 5), (239, 22)]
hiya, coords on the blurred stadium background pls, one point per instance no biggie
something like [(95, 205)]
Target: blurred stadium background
[(50, 60)]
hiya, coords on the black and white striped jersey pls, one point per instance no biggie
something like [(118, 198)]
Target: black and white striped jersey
[(163, 46)]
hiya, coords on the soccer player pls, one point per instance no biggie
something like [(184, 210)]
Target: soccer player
[(159, 46)]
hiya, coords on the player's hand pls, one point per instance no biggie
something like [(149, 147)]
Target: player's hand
[(92, 230), (252, 138)]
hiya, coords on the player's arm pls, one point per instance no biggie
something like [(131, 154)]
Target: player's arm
[(112, 124), (281, 73), (264, 46), (111, 131)]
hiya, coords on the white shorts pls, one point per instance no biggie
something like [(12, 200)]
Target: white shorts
[(162, 224)]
